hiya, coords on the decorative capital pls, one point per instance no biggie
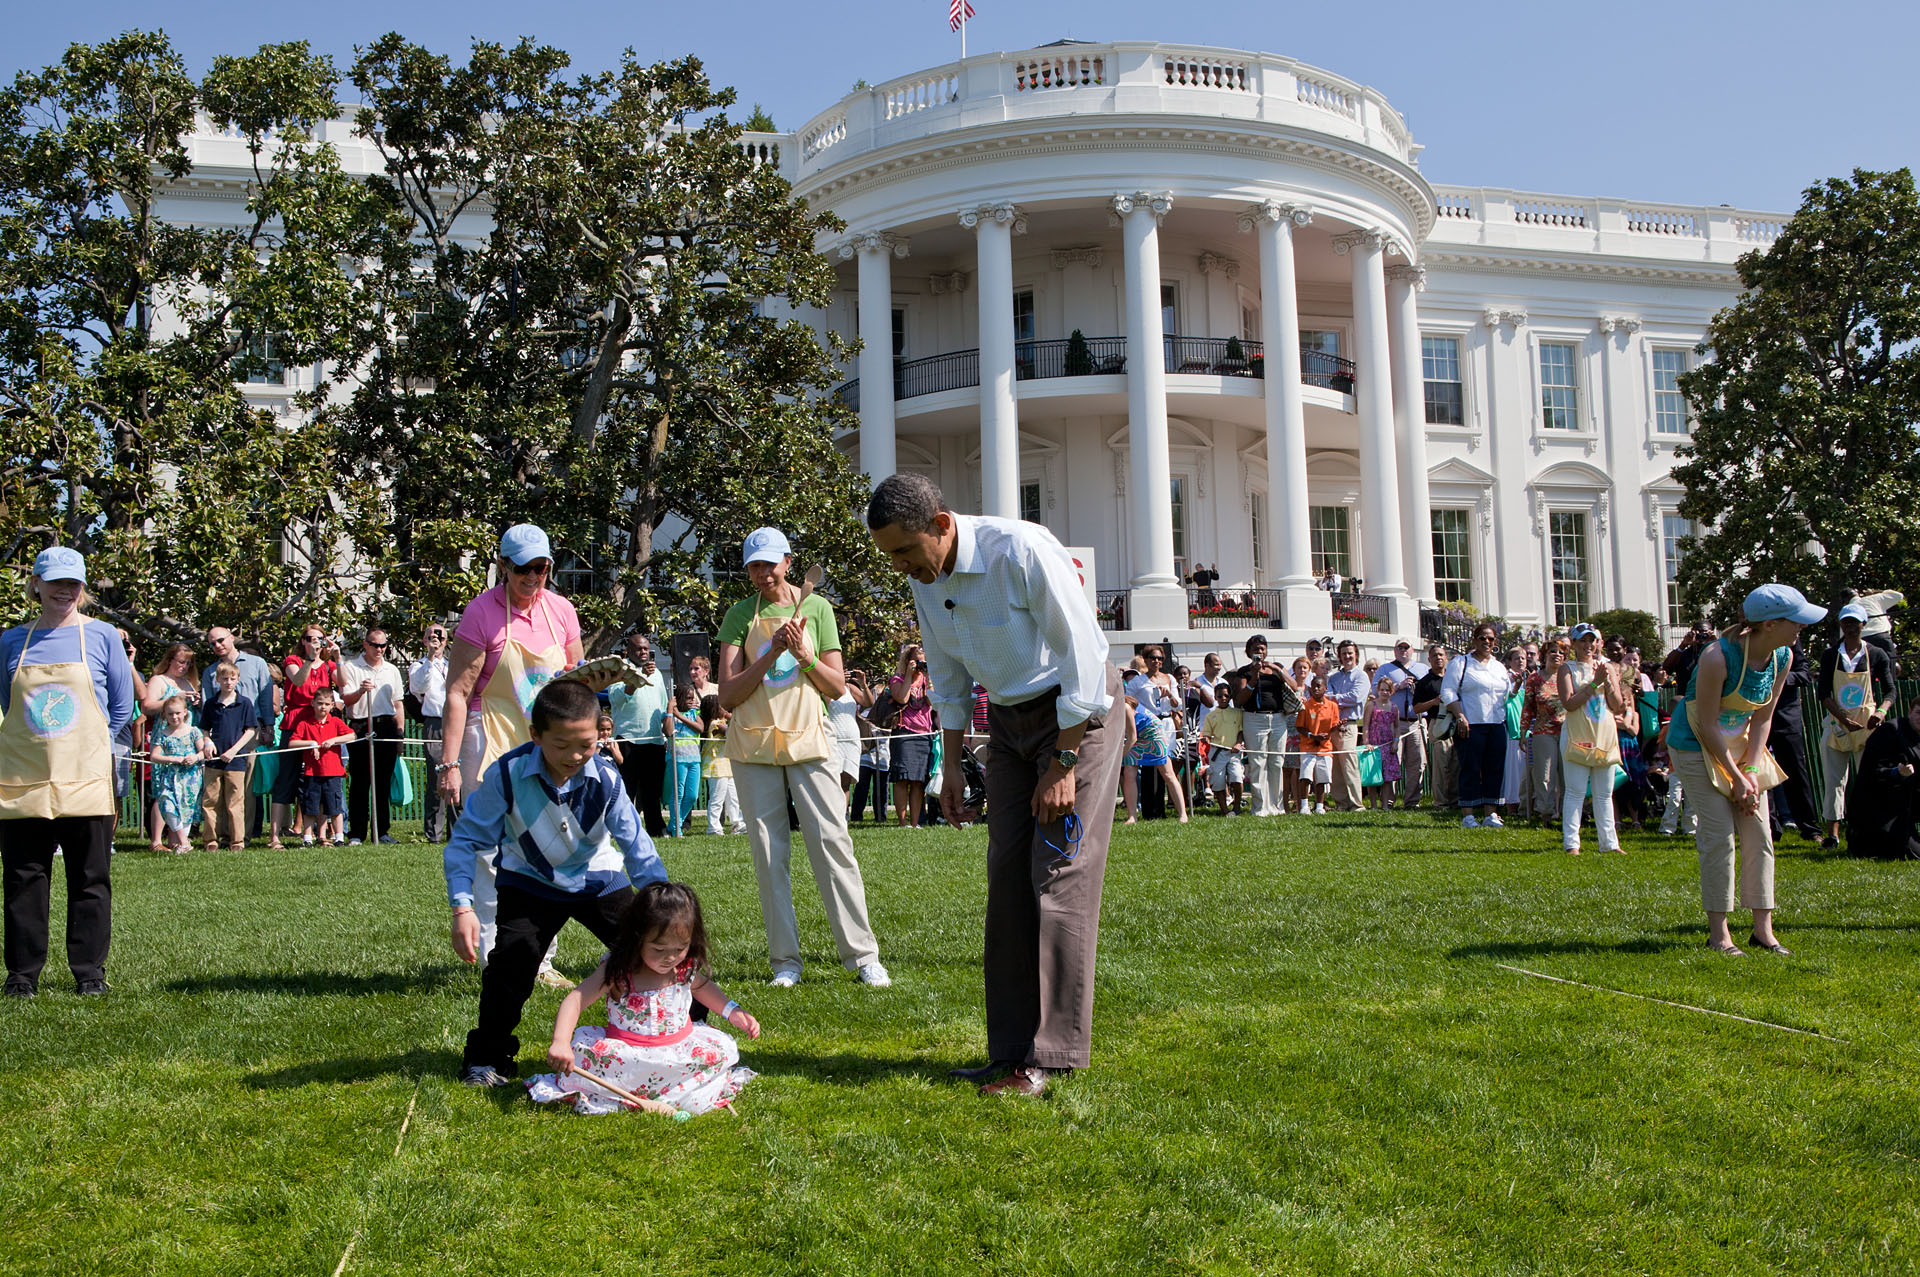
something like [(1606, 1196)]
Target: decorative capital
[(1539, 513), (1212, 263), (1273, 211), (1493, 317), (953, 283), (873, 242), (1003, 213), (1628, 324), (1080, 255), (1370, 238), (1159, 203), (1486, 511), (1415, 275), (1602, 509), (1654, 513)]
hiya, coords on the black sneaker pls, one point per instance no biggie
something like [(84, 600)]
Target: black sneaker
[(91, 988), (484, 1075), (19, 989), (1829, 843)]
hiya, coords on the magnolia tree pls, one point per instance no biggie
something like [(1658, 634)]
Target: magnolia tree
[(1804, 457)]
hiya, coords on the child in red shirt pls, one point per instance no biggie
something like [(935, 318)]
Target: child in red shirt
[(1316, 722), (322, 800)]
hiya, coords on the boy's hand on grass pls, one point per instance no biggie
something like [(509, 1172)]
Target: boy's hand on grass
[(560, 1056)]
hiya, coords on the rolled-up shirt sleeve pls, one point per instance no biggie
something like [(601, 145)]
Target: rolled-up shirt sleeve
[(1056, 599)]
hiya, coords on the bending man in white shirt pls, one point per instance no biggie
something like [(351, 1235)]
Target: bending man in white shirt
[(1001, 604)]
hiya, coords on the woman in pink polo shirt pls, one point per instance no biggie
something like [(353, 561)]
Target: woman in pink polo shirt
[(510, 642)]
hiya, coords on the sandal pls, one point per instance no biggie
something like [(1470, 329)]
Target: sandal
[(276, 845), (1774, 947), (1731, 949)]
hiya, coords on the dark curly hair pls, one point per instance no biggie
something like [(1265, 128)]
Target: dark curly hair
[(657, 907)]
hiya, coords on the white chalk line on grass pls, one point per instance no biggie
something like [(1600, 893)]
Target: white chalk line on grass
[(1684, 1006), (346, 1256)]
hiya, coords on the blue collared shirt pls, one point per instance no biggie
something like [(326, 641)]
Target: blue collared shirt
[(256, 687), (1348, 689), (579, 838)]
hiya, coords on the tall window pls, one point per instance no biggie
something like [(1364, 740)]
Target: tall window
[(1673, 529), (1169, 309), (899, 332), (258, 362), (1567, 545), (1023, 315), (1257, 513), (1440, 366), (1249, 322), (1328, 541), (1559, 386), (1177, 496), (1669, 405), (1324, 340), (1452, 557), (1030, 502)]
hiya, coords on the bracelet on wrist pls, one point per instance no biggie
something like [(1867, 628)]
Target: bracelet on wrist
[(726, 1012), (460, 909), (1750, 767)]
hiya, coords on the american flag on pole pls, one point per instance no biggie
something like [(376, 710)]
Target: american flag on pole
[(958, 14)]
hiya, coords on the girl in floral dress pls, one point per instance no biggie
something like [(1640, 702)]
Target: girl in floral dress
[(655, 971), (1383, 727), (177, 748)]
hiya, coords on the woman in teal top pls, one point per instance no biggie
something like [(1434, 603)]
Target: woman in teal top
[(1718, 743)]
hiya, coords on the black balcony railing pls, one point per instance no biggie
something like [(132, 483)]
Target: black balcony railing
[(1370, 607), (1102, 356), (1218, 609), (1111, 606)]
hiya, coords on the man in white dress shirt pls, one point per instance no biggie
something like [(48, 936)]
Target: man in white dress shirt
[(1000, 603), (427, 680), (374, 694)]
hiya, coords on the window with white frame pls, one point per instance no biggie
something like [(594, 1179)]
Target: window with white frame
[(1674, 530), (1257, 518), (258, 361), (1023, 315), (1669, 405), (1440, 367), (1567, 551), (1030, 503), (1177, 496), (1325, 341), (1328, 540), (1559, 385), (1452, 556), (1249, 321)]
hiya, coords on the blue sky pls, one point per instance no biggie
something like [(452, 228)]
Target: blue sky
[(1702, 103)]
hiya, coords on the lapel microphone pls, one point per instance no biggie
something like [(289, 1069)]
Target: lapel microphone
[(949, 605)]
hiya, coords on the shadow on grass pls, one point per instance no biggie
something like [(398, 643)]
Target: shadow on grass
[(1484, 849), (1542, 948), (846, 1068), (421, 1061), (326, 983)]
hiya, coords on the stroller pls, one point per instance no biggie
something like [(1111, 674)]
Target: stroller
[(975, 776)]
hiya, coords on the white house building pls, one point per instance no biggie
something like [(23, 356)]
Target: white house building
[(1295, 351), (1191, 306)]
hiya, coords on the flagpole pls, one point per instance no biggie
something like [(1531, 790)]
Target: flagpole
[(963, 35)]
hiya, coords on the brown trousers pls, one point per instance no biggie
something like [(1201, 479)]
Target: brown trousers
[(223, 805), (1043, 906)]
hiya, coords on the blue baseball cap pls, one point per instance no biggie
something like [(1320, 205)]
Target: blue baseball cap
[(1581, 631), (1854, 612), (766, 545), (522, 543), (1781, 603), (60, 563)]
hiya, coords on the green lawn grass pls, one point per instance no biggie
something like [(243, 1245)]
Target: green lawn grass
[(1306, 1060)]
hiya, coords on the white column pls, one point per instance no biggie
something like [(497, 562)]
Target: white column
[(1373, 400), (1288, 533), (1158, 600), (1621, 418), (994, 226), (876, 250), (1410, 425)]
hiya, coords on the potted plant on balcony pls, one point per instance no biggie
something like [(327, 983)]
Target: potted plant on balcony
[(1347, 619), (1234, 362), (1079, 361)]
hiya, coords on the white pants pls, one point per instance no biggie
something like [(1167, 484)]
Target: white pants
[(822, 808), (486, 890), (1837, 768), (1675, 820), (723, 805), (1266, 737), (1578, 780)]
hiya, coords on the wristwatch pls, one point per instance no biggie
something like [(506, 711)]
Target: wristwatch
[(1067, 759)]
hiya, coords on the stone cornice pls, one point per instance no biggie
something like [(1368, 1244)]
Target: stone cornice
[(1618, 268), (1493, 317), (954, 282), (1215, 263), (1628, 324), (1080, 255), (1185, 136)]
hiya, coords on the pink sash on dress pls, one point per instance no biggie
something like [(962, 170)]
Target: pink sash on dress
[(651, 1039)]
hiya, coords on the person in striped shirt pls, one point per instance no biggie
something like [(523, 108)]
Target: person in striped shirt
[(566, 842)]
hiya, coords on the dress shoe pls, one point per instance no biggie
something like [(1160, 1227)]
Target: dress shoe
[(985, 1072), (1771, 946), (1026, 1080)]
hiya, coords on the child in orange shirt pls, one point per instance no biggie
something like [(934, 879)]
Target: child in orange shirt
[(1316, 723)]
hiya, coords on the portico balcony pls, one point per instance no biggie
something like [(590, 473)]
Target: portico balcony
[(1103, 356)]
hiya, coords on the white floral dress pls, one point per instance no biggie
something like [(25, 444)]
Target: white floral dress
[(652, 1048)]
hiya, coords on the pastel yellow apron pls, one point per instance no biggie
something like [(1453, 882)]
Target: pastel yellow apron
[(1736, 723), (56, 756), (1590, 737), (506, 706), (1852, 692), (785, 720)]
